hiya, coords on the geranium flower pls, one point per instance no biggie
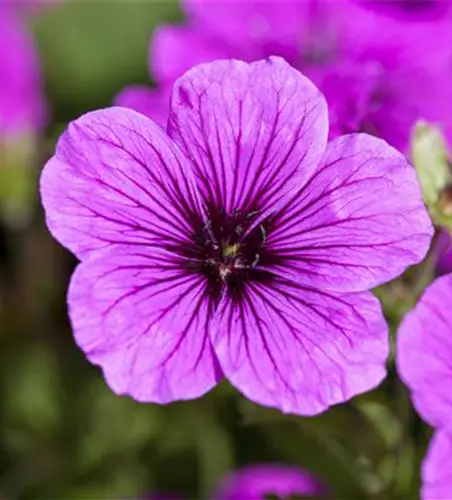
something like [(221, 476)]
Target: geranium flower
[(238, 244), (378, 74), (424, 347)]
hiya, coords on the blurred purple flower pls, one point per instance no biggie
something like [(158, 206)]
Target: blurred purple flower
[(407, 10), (423, 356), (436, 476), (443, 251), (238, 244), (256, 482), (378, 74), (22, 106)]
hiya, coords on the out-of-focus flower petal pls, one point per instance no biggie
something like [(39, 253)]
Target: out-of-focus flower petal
[(176, 49), (22, 105), (298, 349), (424, 353), (253, 29), (145, 321), (437, 467), (149, 102), (359, 221)]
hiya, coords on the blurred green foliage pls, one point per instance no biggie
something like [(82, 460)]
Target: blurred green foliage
[(63, 434)]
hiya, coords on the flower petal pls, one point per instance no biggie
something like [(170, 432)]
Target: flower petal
[(424, 353), (254, 29), (257, 482), (22, 104), (169, 58), (145, 321), (360, 220), (253, 131), (147, 101), (117, 178), (436, 477), (298, 349)]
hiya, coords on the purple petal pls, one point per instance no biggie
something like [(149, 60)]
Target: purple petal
[(117, 178), (256, 482), (443, 251), (22, 106), (360, 220), (424, 353), (253, 29), (253, 131), (138, 315), (148, 102), (176, 49), (298, 349), (436, 476)]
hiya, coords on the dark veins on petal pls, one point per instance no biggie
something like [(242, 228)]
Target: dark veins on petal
[(229, 251)]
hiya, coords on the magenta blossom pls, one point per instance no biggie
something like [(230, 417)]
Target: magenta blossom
[(443, 252), (378, 74), (238, 244), (424, 353), (22, 106), (406, 10), (257, 482)]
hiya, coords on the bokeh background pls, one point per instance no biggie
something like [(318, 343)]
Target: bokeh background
[(63, 434)]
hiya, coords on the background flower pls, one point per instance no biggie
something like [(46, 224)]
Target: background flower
[(22, 105), (424, 344), (379, 75)]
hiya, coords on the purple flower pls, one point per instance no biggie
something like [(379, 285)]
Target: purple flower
[(238, 244), (443, 252), (257, 482), (424, 347), (406, 10), (436, 477), (424, 350), (22, 106), (378, 74)]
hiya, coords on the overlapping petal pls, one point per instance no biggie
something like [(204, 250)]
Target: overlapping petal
[(299, 349), (148, 102), (257, 482), (117, 178), (145, 321), (424, 353), (358, 222), (255, 29), (436, 476), (169, 58), (254, 132)]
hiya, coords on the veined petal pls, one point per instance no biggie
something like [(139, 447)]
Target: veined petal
[(145, 321), (254, 132), (424, 353), (360, 220), (116, 177), (299, 349), (436, 477), (149, 102)]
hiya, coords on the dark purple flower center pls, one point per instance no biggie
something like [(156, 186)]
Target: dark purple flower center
[(230, 251)]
